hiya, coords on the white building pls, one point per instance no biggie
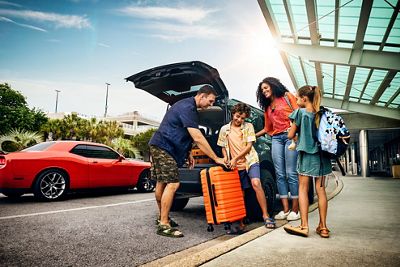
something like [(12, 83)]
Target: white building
[(131, 122)]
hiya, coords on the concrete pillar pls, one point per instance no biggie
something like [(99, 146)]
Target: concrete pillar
[(363, 141), (380, 160), (353, 159), (348, 167)]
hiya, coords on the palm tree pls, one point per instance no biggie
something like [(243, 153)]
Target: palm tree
[(19, 139), (125, 147)]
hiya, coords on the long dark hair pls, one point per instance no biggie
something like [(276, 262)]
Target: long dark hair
[(277, 88), (314, 95)]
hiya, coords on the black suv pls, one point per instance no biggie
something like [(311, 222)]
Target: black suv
[(174, 82)]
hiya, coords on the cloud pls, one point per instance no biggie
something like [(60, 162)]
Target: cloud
[(103, 45), (183, 15), (175, 24), (22, 24), (173, 32), (9, 4), (60, 21)]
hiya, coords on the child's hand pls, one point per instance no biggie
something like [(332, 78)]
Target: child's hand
[(292, 145), (232, 163)]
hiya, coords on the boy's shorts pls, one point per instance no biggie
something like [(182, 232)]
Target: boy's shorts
[(246, 176), (164, 168)]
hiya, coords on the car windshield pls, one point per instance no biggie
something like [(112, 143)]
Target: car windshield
[(40, 147)]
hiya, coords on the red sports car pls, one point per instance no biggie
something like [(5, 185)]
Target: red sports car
[(51, 169)]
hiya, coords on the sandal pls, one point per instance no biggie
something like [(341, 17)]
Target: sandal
[(322, 231), (166, 230), (236, 231), (298, 230), (269, 223), (171, 222)]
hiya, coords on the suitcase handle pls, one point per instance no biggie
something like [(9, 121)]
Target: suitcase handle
[(214, 196)]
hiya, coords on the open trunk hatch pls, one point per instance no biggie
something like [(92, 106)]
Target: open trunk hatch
[(177, 81)]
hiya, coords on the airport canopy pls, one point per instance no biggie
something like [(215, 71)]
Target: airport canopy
[(349, 48)]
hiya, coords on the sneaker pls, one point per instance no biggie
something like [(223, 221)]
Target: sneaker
[(281, 215), (293, 216)]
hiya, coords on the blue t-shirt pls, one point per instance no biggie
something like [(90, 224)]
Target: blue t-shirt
[(172, 135)]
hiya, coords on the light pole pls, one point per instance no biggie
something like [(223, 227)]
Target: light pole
[(105, 110), (57, 91)]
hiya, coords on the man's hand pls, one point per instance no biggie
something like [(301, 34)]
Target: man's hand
[(221, 161), (191, 161)]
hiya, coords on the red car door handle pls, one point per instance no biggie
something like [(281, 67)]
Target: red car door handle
[(94, 161)]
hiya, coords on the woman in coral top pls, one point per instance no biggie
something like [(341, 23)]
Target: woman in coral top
[(276, 101)]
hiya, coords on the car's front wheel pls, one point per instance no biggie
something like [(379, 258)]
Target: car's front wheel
[(51, 185), (145, 183)]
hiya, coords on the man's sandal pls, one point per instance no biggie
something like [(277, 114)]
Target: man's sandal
[(322, 231), (298, 230), (269, 223), (171, 222), (166, 230)]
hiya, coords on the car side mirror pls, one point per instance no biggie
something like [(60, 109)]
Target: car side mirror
[(120, 158)]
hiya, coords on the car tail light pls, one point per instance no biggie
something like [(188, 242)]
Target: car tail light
[(2, 161)]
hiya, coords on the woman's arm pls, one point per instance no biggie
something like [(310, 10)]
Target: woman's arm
[(260, 133)]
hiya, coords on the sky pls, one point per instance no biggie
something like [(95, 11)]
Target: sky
[(77, 46)]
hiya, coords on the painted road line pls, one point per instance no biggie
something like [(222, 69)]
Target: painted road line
[(76, 209)]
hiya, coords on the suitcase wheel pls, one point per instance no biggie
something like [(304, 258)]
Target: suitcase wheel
[(210, 228), (227, 226)]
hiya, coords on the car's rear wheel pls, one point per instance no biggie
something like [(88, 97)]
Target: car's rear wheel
[(145, 183), (179, 204), (51, 185)]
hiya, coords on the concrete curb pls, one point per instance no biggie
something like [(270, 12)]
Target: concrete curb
[(211, 252)]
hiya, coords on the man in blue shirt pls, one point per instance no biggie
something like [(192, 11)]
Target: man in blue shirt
[(170, 147)]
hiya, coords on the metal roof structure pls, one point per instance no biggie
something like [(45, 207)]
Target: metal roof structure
[(349, 48)]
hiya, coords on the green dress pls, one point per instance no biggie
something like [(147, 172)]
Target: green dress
[(309, 160)]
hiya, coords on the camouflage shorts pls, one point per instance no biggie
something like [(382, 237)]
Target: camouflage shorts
[(164, 168)]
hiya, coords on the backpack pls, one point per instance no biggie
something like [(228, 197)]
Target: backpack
[(332, 134)]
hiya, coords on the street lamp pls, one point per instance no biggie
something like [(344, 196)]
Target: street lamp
[(105, 110), (57, 91)]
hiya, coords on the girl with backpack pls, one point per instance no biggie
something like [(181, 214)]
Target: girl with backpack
[(310, 162)]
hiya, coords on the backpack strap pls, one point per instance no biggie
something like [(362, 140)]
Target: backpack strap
[(288, 101), (340, 167)]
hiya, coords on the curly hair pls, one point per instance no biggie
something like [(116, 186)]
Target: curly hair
[(277, 88), (241, 108)]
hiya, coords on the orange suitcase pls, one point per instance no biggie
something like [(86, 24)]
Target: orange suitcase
[(223, 197)]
